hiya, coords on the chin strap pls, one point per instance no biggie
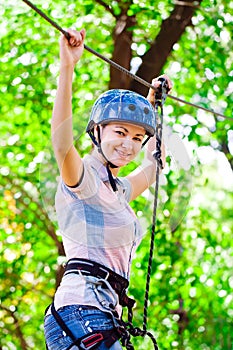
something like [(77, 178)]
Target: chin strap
[(111, 178), (109, 164)]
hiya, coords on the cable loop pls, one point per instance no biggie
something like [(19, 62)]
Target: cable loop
[(130, 330)]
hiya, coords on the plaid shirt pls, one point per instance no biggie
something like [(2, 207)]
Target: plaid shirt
[(96, 224)]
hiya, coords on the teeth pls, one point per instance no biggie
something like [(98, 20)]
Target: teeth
[(123, 154)]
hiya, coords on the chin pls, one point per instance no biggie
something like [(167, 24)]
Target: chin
[(119, 163)]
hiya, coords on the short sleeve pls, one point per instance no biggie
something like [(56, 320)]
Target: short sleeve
[(88, 185)]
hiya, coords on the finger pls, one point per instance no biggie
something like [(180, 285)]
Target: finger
[(164, 76), (76, 38), (83, 33), (156, 83)]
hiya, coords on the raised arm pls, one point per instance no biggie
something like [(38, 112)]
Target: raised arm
[(144, 176), (68, 159)]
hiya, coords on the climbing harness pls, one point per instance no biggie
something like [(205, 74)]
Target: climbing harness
[(92, 268), (119, 67), (119, 284)]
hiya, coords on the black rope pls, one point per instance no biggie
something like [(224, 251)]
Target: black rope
[(150, 260), (120, 68), (159, 101), (128, 328)]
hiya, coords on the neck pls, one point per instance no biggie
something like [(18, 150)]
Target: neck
[(100, 157)]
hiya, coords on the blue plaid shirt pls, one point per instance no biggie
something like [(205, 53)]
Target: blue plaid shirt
[(96, 224)]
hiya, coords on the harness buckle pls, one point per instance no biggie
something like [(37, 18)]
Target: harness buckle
[(90, 341)]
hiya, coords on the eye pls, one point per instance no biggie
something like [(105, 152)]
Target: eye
[(119, 132), (138, 139)]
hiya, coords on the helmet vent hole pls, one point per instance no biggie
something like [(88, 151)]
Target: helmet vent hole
[(132, 107), (146, 110)]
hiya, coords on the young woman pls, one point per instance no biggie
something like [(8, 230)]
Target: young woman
[(99, 229)]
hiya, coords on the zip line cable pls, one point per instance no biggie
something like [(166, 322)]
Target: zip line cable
[(117, 66)]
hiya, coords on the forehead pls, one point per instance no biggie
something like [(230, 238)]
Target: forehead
[(132, 128)]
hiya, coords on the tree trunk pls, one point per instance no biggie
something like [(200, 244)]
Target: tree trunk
[(122, 53), (172, 29)]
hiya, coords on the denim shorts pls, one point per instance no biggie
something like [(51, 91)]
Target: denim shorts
[(80, 321)]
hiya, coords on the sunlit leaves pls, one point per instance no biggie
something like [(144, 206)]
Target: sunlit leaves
[(191, 302)]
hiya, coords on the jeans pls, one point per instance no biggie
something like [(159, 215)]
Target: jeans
[(80, 321)]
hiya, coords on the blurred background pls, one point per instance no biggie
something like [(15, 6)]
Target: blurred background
[(191, 299)]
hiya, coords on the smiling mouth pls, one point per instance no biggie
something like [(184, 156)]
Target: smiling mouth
[(123, 154)]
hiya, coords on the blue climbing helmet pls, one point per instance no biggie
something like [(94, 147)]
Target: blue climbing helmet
[(124, 105)]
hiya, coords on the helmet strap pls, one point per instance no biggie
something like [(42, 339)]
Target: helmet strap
[(146, 140), (111, 178), (93, 139), (109, 164)]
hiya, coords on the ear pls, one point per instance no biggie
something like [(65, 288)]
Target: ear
[(97, 130)]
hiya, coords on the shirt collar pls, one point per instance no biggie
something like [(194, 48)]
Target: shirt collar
[(99, 166)]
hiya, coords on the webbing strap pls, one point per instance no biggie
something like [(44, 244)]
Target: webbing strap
[(62, 323), (88, 341)]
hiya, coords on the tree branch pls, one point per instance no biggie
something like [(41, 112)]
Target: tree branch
[(122, 53), (171, 31), (106, 6), (226, 151), (17, 329)]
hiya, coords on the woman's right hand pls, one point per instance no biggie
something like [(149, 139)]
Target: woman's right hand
[(71, 51)]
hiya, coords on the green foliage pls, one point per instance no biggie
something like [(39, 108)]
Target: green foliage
[(191, 302)]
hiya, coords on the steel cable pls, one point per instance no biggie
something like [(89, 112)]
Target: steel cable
[(119, 67)]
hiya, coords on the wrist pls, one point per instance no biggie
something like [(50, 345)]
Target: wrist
[(67, 67)]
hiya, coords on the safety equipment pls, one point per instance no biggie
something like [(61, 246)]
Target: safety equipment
[(90, 341), (123, 105), (91, 268)]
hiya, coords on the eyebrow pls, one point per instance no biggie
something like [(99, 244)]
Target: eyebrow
[(126, 130)]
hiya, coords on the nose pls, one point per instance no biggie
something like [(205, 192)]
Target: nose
[(127, 143)]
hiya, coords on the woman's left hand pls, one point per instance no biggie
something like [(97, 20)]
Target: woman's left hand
[(156, 83)]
